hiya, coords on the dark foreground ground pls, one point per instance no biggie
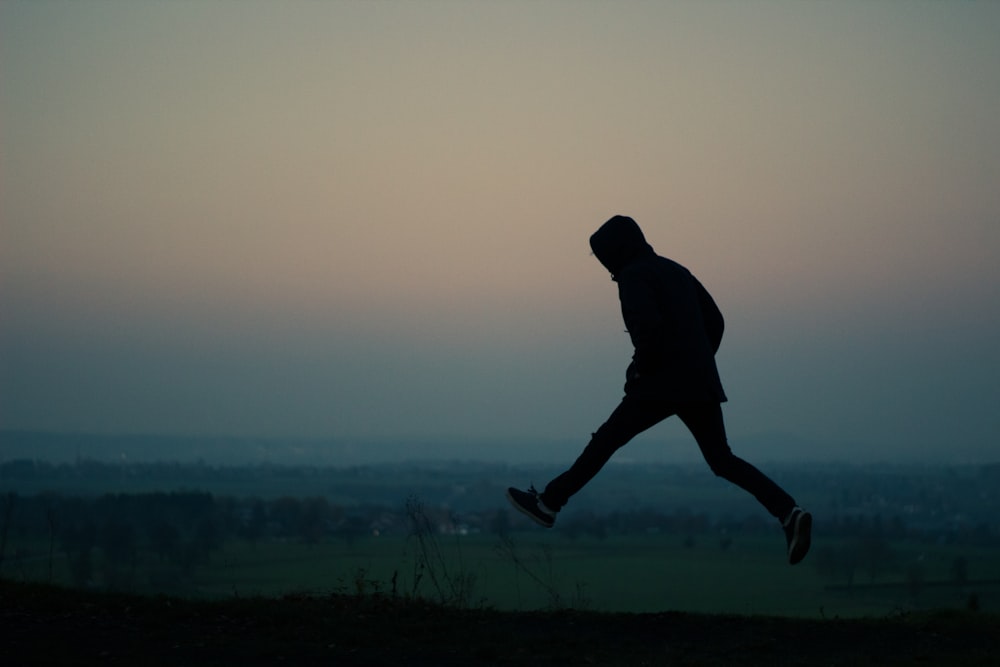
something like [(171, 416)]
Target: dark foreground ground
[(45, 625)]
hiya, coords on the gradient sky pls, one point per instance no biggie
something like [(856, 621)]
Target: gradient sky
[(370, 219)]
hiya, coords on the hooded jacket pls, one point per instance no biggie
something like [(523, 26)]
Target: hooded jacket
[(673, 322)]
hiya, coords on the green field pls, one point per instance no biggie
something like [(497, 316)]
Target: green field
[(532, 570)]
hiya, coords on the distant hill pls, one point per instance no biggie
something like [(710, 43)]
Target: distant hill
[(216, 450), (228, 451)]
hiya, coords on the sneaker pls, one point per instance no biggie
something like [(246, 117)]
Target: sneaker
[(530, 503), (798, 532)]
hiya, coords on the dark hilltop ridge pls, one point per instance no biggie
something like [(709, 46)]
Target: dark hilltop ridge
[(41, 624)]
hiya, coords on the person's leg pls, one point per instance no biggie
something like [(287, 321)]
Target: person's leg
[(709, 431), (629, 419)]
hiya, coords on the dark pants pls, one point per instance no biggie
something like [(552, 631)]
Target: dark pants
[(704, 420)]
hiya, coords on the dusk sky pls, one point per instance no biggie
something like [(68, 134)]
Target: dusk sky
[(370, 219)]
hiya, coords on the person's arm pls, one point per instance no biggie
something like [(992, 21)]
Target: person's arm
[(644, 321), (710, 315)]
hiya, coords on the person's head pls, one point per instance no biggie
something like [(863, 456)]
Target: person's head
[(618, 242)]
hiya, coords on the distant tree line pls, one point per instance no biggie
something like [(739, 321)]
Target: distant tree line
[(103, 539)]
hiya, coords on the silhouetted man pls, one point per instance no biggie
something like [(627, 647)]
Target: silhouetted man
[(676, 329)]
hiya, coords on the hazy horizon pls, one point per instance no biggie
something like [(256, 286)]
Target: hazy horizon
[(654, 448), (369, 221)]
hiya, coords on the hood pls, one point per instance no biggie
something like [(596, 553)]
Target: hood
[(618, 242)]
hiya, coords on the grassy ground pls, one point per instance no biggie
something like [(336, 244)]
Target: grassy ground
[(625, 574), (48, 625)]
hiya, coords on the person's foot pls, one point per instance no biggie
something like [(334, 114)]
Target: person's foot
[(530, 504), (798, 532)]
